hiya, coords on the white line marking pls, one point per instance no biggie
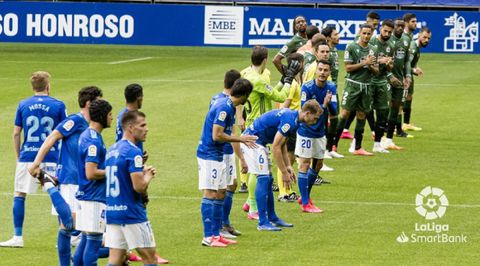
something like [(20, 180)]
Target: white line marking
[(323, 201), (130, 60)]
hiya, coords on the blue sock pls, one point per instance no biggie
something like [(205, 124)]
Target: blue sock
[(150, 264), (103, 252), (303, 187), (261, 194), (227, 207), (61, 207), (312, 176), (272, 216), (63, 246), (18, 215), (217, 216), (79, 250), (207, 216), (90, 255)]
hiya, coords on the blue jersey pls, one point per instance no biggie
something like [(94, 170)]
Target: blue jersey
[(91, 149), (227, 148), (221, 113), (310, 90), (284, 121), (70, 128), (119, 130), (38, 116), (124, 204)]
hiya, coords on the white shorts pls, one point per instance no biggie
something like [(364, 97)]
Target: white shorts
[(310, 147), (68, 194), (26, 183), (231, 168), (130, 236), (257, 159), (211, 175), (91, 217)]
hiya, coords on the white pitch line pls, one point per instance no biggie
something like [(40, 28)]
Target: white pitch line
[(130, 60), (323, 201)]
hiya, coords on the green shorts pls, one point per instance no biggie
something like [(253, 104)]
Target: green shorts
[(410, 89), (381, 96), (356, 97), (398, 94)]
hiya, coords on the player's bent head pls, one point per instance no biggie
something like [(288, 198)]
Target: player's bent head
[(88, 94), (317, 40), (295, 57), (327, 31), (230, 77), (131, 118), (40, 81), (133, 92), (311, 31), (241, 88), (311, 111), (101, 112), (259, 55)]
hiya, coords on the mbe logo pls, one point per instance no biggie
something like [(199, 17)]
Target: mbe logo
[(223, 25)]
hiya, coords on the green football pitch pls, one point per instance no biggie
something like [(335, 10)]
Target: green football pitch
[(370, 203)]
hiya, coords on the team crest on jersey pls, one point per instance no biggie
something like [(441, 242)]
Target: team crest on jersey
[(68, 125), (304, 95), (92, 150), (285, 128), (222, 116), (138, 161), (405, 43), (388, 49)]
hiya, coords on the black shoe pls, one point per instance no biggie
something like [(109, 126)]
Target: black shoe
[(292, 197), (46, 178), (243, 188), (320, 181), (275, 187), (402, 134)]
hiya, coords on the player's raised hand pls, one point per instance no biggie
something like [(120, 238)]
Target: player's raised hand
[(328, 98), (149, 170), (249, 141), (291, 71)]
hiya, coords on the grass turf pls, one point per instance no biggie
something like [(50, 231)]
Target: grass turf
[(369, 203)]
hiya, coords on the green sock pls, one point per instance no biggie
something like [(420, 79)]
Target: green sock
[(252, 184)]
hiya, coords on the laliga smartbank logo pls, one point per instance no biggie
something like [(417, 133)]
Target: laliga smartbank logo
[(431, 203)]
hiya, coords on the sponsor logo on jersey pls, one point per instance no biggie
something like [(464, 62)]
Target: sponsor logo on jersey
[(92, 150), (68, 125), (222, 116), (138, 161)]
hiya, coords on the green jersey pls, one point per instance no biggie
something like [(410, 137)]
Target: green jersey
[(382, 49), (333, 59), (263, 95), (292, 46), (354, 54), (308, 59), (401, 68), (413, 55)]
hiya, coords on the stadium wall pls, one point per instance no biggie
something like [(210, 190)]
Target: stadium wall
[(210, 25)]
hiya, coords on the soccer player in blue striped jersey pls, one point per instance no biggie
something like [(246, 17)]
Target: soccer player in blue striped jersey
[(90, 218), (36, 116), (212, 170), (127, 181), (274, 128), (63, 199), (311, 142), (228, 231)]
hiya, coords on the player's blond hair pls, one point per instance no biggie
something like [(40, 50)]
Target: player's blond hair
[(40, 80)]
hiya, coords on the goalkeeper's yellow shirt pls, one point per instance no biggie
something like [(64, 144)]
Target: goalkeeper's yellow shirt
[(294, 96)]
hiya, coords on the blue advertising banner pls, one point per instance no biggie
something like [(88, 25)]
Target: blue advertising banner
[(195, 25)]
